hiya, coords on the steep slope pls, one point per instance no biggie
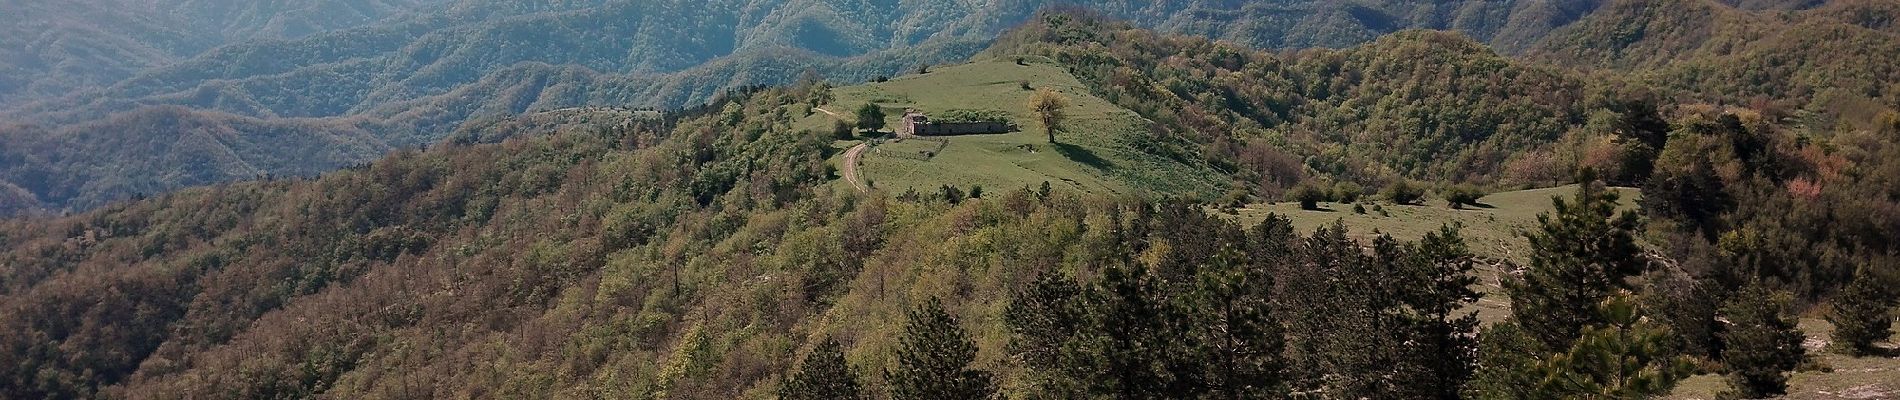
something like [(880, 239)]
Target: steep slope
[(194, 308), (49, 49), (1836, 54), (1400, 107), (159, 149), (428, 55), (410, 79)]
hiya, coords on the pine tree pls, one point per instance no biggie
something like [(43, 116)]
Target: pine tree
[(823, 375), (1135, 338), (1507, 360), (1761, 344), (934, 356), (1575, 330), (1580, 254), (1232, 333), (1438, 282), (1329, 298), (1048, 320), (1624, 357), (1862, 315)]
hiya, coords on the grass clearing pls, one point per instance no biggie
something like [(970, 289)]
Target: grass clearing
[(1096, 153), (1492, 231), (1833, 376)]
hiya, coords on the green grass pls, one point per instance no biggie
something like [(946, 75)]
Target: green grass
[(1492, 232), (1094, 155), (1832, 376)]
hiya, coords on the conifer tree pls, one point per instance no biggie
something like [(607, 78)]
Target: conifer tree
[(933, 359), (1507, 358), (1761, 344), (1438, 283), (1581, 253), (1048, 319), (1625, 356), (823, 375), (1575, 330), (1135, 336), (1232, 333), (1862, 315)]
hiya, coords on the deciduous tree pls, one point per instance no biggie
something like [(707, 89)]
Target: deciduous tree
[(1051, 108)]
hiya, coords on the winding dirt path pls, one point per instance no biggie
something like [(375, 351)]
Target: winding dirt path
[(851, 159)]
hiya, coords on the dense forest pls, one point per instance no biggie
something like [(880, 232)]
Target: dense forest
[(714, 252), (412, 78)]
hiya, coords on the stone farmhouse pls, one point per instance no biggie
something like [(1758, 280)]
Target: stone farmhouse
[(917, 124)]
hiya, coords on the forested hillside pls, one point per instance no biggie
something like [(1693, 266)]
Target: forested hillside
[(713, 252), (1409, 105), (410, 78), (50, 48), (1833, 59)]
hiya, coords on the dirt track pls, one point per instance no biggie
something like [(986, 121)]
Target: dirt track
[(851, 159)]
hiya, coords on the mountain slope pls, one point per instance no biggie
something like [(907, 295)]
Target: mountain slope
[(1715, 52), (409, 79), (1399, 107), (421, 56), (158, 149), (48, 49)]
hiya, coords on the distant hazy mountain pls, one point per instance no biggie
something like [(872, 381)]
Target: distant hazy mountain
[(404, 79), (48, 48)]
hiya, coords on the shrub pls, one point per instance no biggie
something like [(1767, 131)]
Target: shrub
[(1234, 198), (1348, 192), (1308, 195), (951, 194), (1403, 192), (1458, 196), (1861, 316), (840, 130)]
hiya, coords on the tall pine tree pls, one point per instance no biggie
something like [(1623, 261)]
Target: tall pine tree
[(823, 375), (1862, 315), (1436, 282), (1047, 321), (1232, 334), (1579, 256), (1762, 344), (933, 359), (1575, 330)]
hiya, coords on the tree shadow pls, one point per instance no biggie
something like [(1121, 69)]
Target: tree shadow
[(1083, 155)]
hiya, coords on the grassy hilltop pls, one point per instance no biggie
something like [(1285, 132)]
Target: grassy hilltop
[(1097, 152)]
